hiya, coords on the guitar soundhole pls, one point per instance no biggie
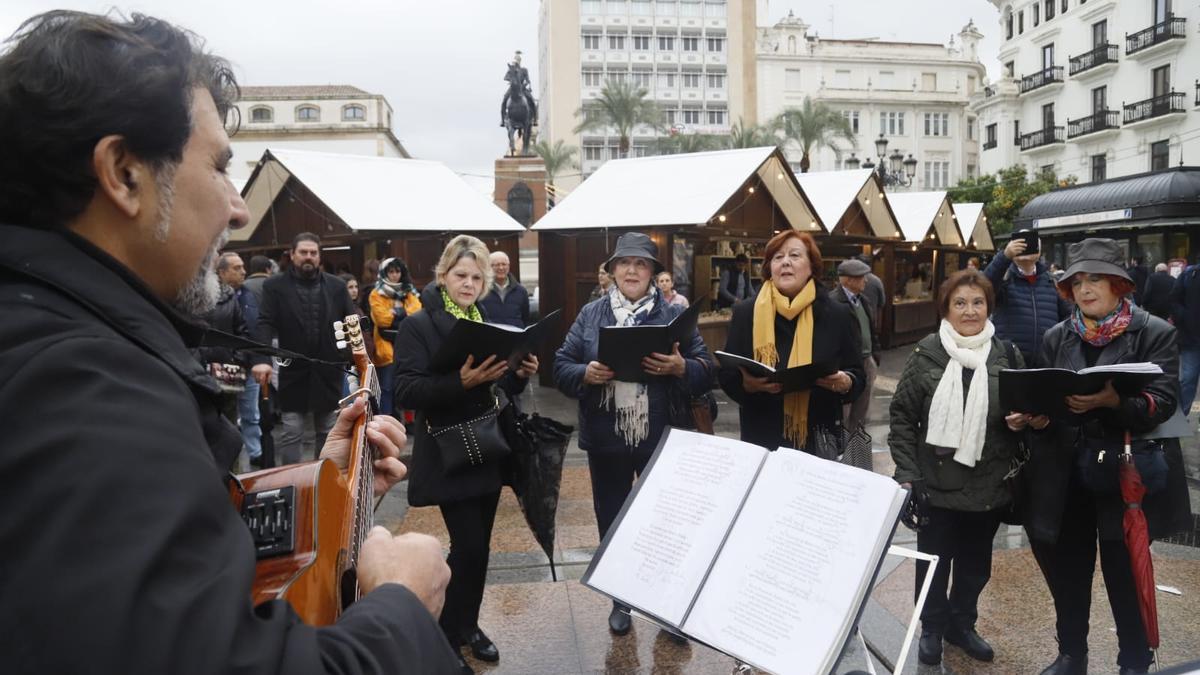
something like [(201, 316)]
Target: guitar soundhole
[(349, 587)]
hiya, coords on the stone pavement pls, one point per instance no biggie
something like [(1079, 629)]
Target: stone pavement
[(542, 626)]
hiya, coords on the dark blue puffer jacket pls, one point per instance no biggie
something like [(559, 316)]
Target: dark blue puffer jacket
[(1024, 311), (597, 432)]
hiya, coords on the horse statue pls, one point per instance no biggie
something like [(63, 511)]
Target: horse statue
[(518, 110)]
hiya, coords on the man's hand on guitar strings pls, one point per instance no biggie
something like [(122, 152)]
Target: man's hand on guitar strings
[(385, 434)]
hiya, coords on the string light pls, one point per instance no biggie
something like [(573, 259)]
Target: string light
[(721, 217), (751, 189)]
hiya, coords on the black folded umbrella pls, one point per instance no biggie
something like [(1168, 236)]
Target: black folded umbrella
[(538, 448)]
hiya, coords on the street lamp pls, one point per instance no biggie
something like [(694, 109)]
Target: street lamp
[(896, 170)]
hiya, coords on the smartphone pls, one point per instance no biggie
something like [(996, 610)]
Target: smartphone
[(1031, 240)]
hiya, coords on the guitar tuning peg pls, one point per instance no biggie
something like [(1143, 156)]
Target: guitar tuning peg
[(340, 335), (341, 344), (338, 325)]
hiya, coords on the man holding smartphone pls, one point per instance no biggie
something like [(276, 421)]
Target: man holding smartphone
[(1027, 302)]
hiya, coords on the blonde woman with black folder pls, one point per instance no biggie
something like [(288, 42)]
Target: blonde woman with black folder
[(620, 422), (467, 492)]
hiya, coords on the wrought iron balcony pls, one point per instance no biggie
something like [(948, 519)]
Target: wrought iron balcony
[(1051, 75), (1105, 53), (1198, 92), (1097, 121), (989, 145), (1154, 107), (1173, 27), (1041, 138)]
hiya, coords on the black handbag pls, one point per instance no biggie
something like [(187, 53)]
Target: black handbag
[(1099, 460), (471, 443)]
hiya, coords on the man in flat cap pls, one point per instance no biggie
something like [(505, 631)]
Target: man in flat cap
[(852, 281)]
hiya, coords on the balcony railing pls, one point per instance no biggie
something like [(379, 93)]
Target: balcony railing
[(989, 145), (1197, 92), (1051, 75), (1097, 121), (1154, 107), (1041, 137), (1173, 27), (1105, 53)]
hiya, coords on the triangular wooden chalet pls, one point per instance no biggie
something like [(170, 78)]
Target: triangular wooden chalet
[(367, 207)]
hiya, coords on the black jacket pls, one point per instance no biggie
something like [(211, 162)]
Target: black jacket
[(512, 310), (1185, 307), (834, 339), (1055, 451), (1156, 299), (440, 397), (839, 295), (951, 485), (122, 552), (304, 386), (1024, 311), (226, 317)]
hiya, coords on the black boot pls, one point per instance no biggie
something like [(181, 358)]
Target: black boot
[(618, 619), (929, 649), (1066, 664), (463, 667), (970, 642), (482, 646)]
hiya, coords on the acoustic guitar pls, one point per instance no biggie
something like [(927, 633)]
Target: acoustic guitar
[(309, 520)]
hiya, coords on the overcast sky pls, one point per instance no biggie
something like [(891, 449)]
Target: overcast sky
[(441, 63)]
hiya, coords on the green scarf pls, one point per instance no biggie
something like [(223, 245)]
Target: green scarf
[(470, 314)]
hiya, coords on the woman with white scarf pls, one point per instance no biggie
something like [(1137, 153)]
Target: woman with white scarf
[(392, 299), (953, 446), (620, 422)]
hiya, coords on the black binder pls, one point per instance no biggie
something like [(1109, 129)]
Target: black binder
[(622, 348), (799, 378), (482, 340)]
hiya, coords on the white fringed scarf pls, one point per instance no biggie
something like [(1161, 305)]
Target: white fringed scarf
[(632, 401), (951, 424)]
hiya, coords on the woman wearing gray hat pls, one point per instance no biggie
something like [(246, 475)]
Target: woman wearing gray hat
[(1069, 509), (620, 422)]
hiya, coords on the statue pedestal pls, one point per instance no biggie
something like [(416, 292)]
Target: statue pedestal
[(520, 189)]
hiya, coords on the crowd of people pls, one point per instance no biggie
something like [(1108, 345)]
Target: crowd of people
[(113, 279)]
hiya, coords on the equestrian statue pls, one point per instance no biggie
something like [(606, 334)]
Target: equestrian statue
[(518, 110)]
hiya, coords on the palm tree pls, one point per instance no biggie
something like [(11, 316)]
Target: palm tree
[(813, 126), (752, 136), (622, 106), (678, 144), (555, 158)]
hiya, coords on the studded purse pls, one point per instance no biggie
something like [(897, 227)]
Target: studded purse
[(471, 443)]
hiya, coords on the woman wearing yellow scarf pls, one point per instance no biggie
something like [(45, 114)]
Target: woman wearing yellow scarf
[(792, 322)]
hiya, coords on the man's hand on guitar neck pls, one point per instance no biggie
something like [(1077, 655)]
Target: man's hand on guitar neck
[(384, 432), (412, 560)]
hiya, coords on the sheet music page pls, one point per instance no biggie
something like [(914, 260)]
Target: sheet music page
[(661, 547), (790, 577)]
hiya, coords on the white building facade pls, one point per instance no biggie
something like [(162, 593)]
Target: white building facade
[(1094, 89), (915, 94), (693, 57), (332, 118)]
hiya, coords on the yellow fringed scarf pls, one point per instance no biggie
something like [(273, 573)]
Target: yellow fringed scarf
[(769, 303)]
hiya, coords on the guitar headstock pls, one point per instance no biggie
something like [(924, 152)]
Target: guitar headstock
[(349, 335)]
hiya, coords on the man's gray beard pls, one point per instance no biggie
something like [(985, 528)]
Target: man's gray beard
[(201, 294)]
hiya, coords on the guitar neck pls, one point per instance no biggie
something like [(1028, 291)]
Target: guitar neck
[(360, 469)]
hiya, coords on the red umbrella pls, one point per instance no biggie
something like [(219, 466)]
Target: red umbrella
[(1137, 540)]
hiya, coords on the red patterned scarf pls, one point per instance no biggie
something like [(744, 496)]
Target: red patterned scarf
[(1104, 331)]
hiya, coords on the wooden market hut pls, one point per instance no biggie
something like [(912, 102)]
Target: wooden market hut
[(931, 247), (367, 207), (702, 209)]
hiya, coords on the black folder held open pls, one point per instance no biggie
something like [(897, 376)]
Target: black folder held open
[(482, 340), (799, 378), (1042, 391), (622, 348)]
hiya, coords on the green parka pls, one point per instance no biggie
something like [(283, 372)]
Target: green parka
[(951, 485)]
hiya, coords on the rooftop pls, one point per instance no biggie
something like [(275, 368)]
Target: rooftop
[(302, 91)]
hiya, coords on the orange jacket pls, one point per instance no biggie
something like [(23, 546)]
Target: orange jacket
[(382, 315)]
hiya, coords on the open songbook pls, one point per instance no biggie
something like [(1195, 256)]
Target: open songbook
[(1041, 391), (482, 340), (798, 378), (622, 348), (765, 556)]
